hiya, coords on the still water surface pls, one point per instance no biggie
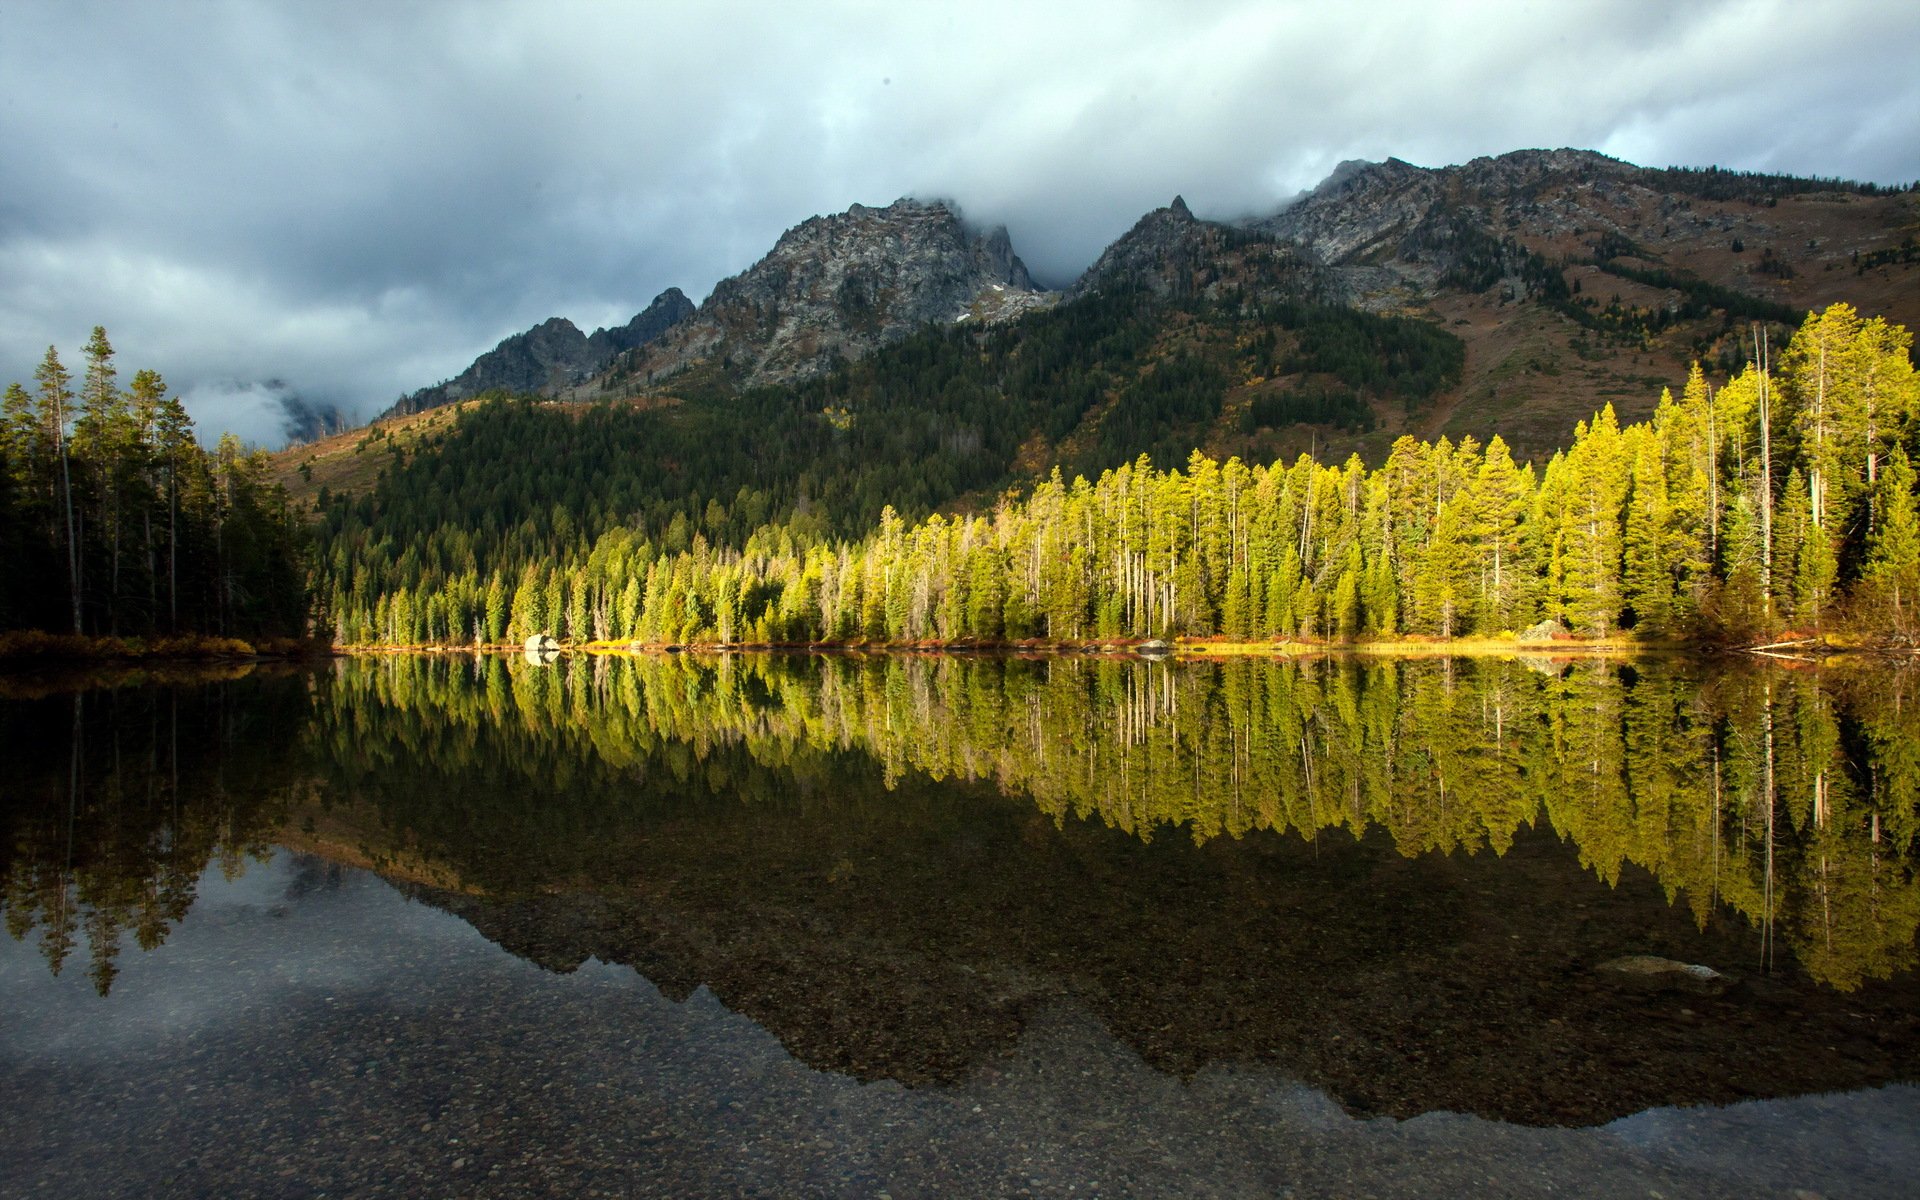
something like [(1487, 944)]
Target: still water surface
[(981, 926)]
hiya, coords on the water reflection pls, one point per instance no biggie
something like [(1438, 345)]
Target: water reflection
[(116, 800), (1790, 797), (339, 1040), (1393, 878)]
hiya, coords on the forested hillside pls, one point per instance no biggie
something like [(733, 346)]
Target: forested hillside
[(1780, 498), (947, 416), (1575, 279), (114, 521)]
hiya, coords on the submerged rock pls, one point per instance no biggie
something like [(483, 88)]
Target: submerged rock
[(1649, 970)]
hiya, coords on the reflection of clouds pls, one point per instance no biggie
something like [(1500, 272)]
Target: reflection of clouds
[(283, 931), (1774, 1142), (300, 992)]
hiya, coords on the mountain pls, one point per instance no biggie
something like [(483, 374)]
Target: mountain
[(1576, 280), (1571, 280), (863, 374), (552, 355), (1394, 232), (896, 356), (305, 420), (836, 288), (1171, 253)]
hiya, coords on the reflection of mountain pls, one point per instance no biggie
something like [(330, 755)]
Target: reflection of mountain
[(894, 863), (1400, 985), (771, 828)]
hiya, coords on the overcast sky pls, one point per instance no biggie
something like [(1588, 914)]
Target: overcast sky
[(354, 200)]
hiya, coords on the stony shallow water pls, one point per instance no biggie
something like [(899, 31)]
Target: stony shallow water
[(937, 927)]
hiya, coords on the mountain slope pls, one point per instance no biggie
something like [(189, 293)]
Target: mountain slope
[(1575, 279), (552, 355), (1530, 291)]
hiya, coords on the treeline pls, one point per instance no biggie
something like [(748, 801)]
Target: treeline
[(1757, 187), (1478, 260), (1701, 298), (118, 800), (114, 521), (1783, 499)]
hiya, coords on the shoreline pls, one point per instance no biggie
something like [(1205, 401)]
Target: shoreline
[(32, 647), (1191, 649), (29, 649)]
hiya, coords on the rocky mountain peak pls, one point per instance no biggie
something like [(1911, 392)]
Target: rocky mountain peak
[(551, 356), (1170, 252), (1392, 231), (668, 309), (838, 287)]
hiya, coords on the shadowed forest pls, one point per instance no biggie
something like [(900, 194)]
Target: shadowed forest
[(115, 522)]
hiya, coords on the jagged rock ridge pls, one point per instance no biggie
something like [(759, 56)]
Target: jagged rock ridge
[(839, 287), (1172, 253), (1393, 232), (307, 420), (552, 355)]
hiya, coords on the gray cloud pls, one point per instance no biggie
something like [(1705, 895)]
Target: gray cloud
[(359, 204)]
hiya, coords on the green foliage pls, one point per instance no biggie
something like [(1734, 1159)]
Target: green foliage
[(1309, 404), (727, 479), (1700, 297), (1892, 571), (1383, 355), (1908, 251)]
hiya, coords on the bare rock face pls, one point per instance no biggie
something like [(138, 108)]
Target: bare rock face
[(1364, 210), (839, 287), (552, 355), (1393, 231), (649, 325), (1360, 208), (1171, 253)]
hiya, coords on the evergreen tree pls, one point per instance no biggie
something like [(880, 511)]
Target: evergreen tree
[(1892, 569), (1588, 535), (1649, 577), (56, 404), (1502, 495)]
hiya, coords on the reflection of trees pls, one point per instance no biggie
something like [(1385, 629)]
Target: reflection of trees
[(525, 776), (117, 800), (1661, 766)]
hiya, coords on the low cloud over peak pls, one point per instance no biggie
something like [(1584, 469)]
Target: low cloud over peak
[(360, 206)]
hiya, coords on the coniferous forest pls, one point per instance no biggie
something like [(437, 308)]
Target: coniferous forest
[(1782, 498), (114, 521)]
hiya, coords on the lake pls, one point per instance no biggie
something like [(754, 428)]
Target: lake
[(919, 925)]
